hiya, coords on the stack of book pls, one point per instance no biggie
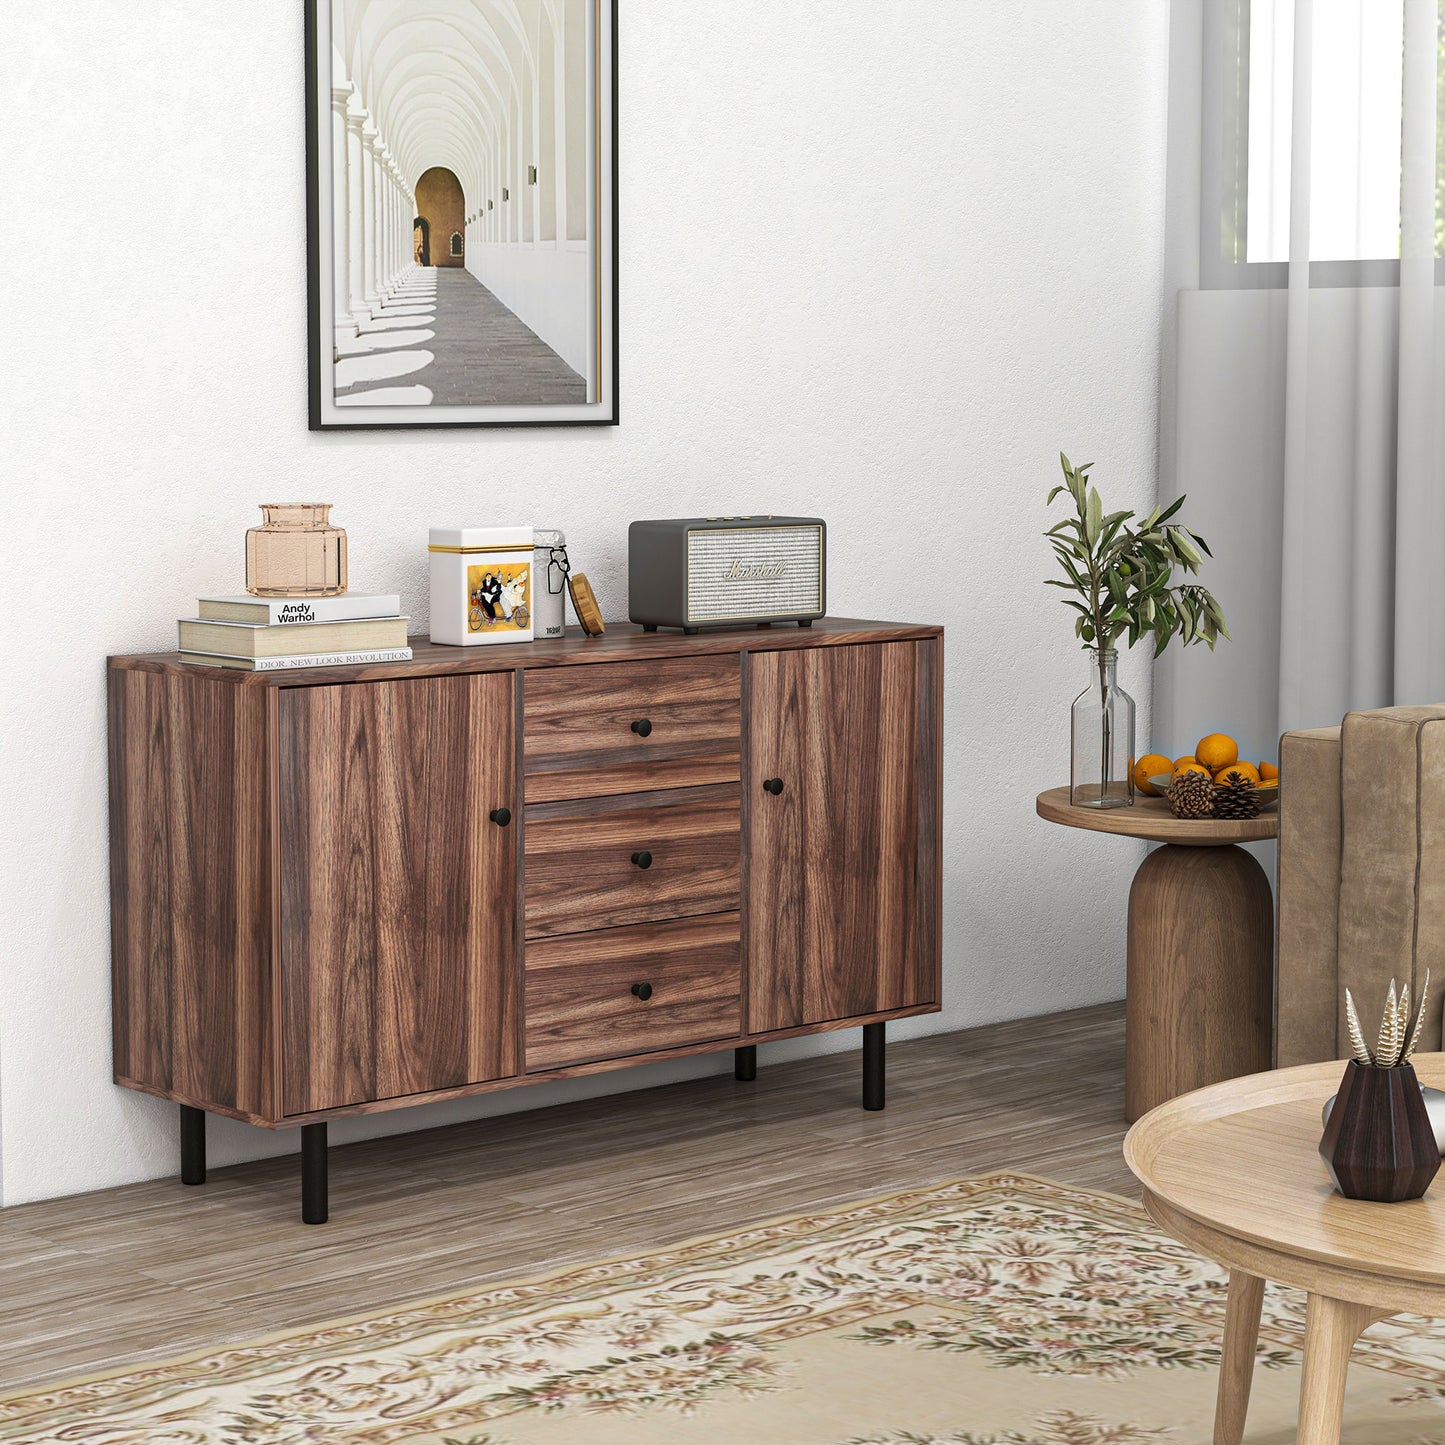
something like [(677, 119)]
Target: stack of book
[(267, 634)]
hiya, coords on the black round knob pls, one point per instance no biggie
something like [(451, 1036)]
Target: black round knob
[(643, 859), (501, 816), (642, 727), (642, 991), (773, 786)]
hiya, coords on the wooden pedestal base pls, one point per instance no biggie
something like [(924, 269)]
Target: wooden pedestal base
[(1201, 973)]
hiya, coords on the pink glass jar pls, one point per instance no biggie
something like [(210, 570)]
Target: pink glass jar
[(296, 552)]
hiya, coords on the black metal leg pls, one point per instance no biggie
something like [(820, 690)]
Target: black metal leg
[(873, 1065), (193, 1145), (745, 1063), (313, 1174)]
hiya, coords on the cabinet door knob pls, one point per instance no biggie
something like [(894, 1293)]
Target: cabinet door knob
[(643, 859), (642, 991), (773, 786), (501, 816), (642, 727)]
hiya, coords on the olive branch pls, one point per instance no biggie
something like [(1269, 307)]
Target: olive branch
[(1123, 574)]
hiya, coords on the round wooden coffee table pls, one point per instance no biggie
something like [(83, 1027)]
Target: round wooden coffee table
[(1234, 1172), (1200, 993)]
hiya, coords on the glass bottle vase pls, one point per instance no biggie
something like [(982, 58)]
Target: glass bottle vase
[(1102, 736), (296, 552)]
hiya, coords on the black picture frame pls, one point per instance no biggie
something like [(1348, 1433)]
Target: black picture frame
[(320, 309)]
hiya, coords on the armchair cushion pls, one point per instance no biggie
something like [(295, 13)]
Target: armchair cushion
[(1361, 874)]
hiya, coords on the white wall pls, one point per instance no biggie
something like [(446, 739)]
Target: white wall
[(547, 285), (881, 268)]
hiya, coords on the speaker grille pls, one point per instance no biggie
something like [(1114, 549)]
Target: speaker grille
[(719, 589)]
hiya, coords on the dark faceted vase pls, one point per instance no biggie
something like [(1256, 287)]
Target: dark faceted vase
[(1378, 1141)]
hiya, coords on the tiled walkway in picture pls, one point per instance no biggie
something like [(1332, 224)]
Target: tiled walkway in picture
[(445, 340)]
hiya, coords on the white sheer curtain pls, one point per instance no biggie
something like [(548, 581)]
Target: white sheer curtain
[(1362, 594), (1303, 407)]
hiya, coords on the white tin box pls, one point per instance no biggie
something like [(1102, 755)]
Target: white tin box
[(481, 585)]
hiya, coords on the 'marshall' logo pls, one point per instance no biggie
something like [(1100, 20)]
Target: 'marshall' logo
[(754, 572)]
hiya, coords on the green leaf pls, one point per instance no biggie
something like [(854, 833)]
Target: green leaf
[(1185, 547), (1054, 494), (1093, 517)]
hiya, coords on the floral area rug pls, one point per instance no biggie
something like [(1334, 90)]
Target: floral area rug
[(1003, 1310)]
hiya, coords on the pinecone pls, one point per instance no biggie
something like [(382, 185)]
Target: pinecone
[(1236, 797), (1191, 795)]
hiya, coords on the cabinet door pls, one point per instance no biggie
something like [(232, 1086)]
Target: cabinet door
[(398, 891), (842, 864)]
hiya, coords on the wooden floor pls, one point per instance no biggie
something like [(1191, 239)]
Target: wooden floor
[(100, 1280)]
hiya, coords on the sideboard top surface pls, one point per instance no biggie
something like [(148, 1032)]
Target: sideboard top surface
[(623, 642)]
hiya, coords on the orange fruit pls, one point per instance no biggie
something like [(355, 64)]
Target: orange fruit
[(1268, 770), (1188, 765), (1234, 771), (1184, 762), (1217, 751), (1151, 765)]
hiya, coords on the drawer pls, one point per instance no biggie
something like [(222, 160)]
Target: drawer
[(630, 727), (580, 1001), (633, 859)]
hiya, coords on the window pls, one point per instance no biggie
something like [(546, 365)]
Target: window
[(1355, 87), (456, 243)]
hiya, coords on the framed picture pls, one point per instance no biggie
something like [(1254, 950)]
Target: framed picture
[(462, 190)]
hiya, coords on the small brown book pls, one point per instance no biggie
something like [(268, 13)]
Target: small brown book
[(589, 614)]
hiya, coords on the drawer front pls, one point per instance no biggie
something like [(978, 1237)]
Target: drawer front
[(581, 1006), (629, 727), (615, 861)]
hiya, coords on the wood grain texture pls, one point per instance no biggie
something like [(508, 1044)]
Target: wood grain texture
[(691, 707), (398, 891), (98, 1281), (841, 728), (579, 736), (623, 642), (580, 1004), (597, 1066), (929, 654), (607, 777), (1331, 1329), (356, 837), (1200, 972), (1233, 1172), (1151, 819), (1236, 1364), (579, 869), (189, 866), (1241, 1159)]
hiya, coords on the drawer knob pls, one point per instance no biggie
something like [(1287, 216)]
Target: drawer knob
[(642, 727), (642, 991), (773, 786), (643, 859), (501, 816)]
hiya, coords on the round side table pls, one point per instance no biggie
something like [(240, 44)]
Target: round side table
[(1200, 994), (1234, 1172)]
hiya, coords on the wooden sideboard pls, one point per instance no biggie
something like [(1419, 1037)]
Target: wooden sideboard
[(340, 891)]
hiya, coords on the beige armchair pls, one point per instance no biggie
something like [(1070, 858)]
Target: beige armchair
[(1361, 874)]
